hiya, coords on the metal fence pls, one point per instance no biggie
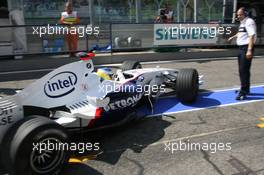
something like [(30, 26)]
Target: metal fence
[(149, 36), (48, 39), (28, 39)]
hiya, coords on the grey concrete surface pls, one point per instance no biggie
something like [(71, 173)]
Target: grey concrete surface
[(140, 148), (48, 62)]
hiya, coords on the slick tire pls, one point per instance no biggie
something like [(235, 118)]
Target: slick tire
[(187, 85), (129, 65), (28, 149)]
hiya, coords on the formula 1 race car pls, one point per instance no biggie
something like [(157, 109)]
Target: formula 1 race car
[(78, 97)]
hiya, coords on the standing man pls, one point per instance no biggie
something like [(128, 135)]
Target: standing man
[(70, 19), (246, 37)]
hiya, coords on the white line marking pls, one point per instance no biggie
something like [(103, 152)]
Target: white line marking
[(233, 88), (143, 63), (25, 71), (198, 109), (201, 135), (186, 137), (182, 60), (220, 90)]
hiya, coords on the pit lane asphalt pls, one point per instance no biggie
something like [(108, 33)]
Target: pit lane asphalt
[(140, 148)]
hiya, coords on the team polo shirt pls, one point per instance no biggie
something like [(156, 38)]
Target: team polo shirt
[(69, 18), (246, 28)]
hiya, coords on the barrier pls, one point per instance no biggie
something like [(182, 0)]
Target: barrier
[(43, 39), (149, 36)]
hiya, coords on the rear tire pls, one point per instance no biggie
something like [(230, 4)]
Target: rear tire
[(130, 65), (187, 85), (23, 158)]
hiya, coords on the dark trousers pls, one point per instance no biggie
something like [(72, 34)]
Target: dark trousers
[(244, 65)]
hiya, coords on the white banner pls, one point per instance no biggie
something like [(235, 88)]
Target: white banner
[(186, 34)]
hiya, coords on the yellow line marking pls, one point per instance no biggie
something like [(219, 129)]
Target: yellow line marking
[(82, 159), (260, 125), (73, 160), (262, 119)]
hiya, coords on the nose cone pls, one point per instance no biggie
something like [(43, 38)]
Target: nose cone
[(85, 56)]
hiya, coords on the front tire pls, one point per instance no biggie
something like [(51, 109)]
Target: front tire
[(187, 85), (130, 64), (23, 157)]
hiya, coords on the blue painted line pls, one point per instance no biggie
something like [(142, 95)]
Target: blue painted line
[(205, 100)]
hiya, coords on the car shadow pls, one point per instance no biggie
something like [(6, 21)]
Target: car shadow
[(135, 136), (80, 169), (204, 101), (172, 104)]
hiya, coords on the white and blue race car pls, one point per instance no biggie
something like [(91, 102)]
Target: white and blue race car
[(77, 97)]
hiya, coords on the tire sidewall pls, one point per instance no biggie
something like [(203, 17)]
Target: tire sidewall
[(130, 65), (21, 146), (187, 85), (25, 149)]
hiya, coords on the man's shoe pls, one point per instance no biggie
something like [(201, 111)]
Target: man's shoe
[(241, 95), (246, 92)]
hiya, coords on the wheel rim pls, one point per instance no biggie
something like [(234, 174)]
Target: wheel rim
[(138, 66), (44, 161)]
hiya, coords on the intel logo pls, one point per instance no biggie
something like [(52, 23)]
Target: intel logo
[(60, 84)]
